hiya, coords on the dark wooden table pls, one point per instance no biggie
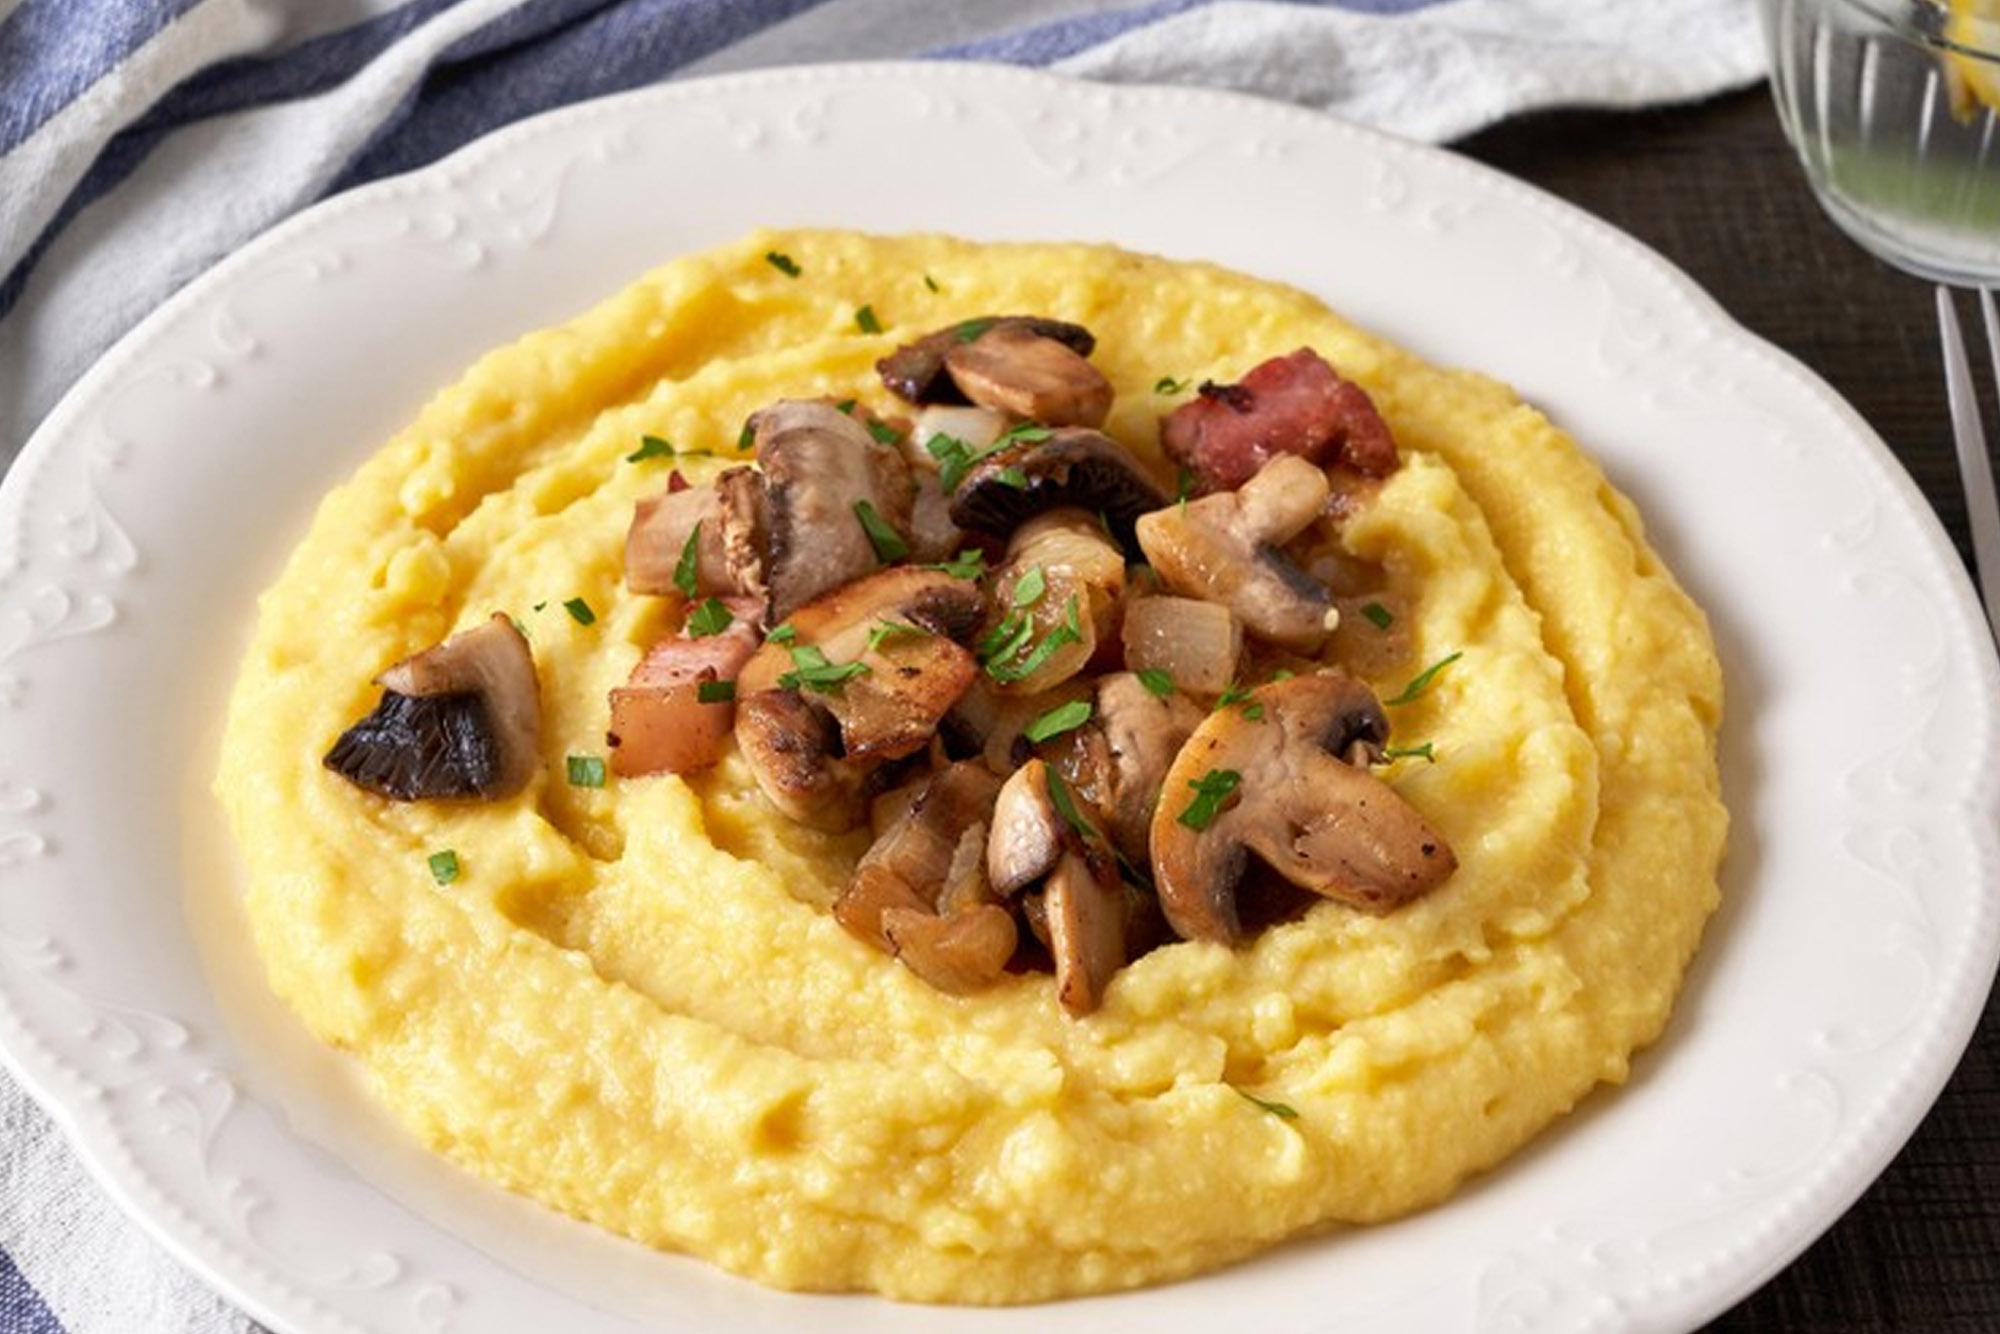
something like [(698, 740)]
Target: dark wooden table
[(1714, 189)]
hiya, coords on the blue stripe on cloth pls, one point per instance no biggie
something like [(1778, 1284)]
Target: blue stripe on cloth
[(52, 51), (21, 1308), (541, 54), (1058, 40)]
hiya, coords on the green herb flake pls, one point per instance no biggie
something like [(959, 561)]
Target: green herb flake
[(686, 568), (1025, 432), (1427, 751), (967, 564), (1423, 679), (1183, 487), (1160, 682), (1254, 712), (1013, 477), (585, 770), (846, 406), (746, 437), (1006, 639), (1283, 1111), (710, 618), (970, 330), (782, 262), (580, 612), (931, 284), (1167, 384), (888, 543), (1063, 718), (715, 692), (1006, 672), (1233, 693), (812, 671), (884, 434), (1065, 804), (1211, 791), (782, 634), (1028, 589), (884, 632), (651, 447), (864, 320), (1378, 615), (444, 866)]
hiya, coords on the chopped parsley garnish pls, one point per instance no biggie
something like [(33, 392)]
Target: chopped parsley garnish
[(1378, 615), (1002, 669), (1065, 804), (746, 437), (1183, 486), (651, 447), (1158, 681), (782, 634), (685, 568), (812, 671), (884, 632), (1427, 751), (864, 320), (1167, 384), (1063, 718), (710, 618), (888, 543), (1211, 791), (971, 329), (1011, 476), (1025, 431), (1007, 638), (715, 692), (1423, 679), (1028, 589), (444, 866), (932, 284), (1233, 694), (883, 433), (846, 406), (967, 564), (580, 612), (782, 262), (585, 770), (1283, 1111)]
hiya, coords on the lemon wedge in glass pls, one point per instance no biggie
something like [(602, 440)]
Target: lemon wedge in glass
[(1973, 80)]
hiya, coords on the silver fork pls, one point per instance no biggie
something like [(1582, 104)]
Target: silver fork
[(1975, 469)]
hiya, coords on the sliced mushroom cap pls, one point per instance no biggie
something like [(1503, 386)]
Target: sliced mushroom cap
[(1023, 373), (1028, 837), (793, 750), (1143, 734), (1318, 821), (462, 719), (1224, 548), (916, 372), (821, 466), (1085, 907), (1070, 467)]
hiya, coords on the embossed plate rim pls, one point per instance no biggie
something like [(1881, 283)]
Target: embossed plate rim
[(164, 1101)]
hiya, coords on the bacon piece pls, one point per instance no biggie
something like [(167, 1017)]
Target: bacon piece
[(659, 722), (1295, 404)]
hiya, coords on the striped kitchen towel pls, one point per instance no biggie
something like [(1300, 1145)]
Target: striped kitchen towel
[(143, 140)]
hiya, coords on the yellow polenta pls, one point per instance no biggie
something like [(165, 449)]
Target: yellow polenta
[(631, 1003)]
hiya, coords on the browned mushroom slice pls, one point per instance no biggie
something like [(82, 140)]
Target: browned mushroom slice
[(919, 892), (462, 719), (1143, 733), (724, 522), (1020, 372), (916, 371), (1028, 836), (822, 472), (877, 664), (1224, 548), (1268, 779), (1086, 912), (1070, 467)]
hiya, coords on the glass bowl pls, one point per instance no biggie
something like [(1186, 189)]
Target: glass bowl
[(1891, 105)]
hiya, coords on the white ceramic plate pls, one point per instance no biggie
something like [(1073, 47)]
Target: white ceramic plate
[(1836, 990)]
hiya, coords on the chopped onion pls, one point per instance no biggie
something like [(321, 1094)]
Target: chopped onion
[(1194, 642)]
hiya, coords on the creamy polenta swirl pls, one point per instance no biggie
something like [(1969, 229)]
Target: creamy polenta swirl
[(629, 1000)]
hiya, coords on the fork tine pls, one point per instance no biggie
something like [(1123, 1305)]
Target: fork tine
[(1982, 503)]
